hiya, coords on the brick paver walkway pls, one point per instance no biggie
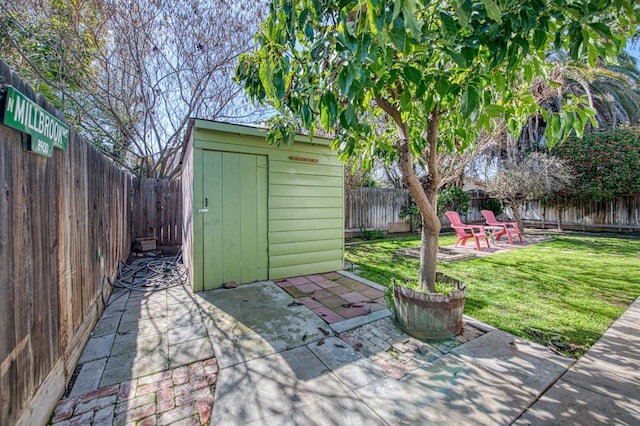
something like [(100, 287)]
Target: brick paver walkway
[(149, 361), (179, 396), (396, 352), (334, 297)]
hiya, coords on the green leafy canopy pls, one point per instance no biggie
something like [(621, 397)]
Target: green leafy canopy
[(331, 65)]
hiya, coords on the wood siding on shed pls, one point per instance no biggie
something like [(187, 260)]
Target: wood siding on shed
[(188, 217), (304, 198)]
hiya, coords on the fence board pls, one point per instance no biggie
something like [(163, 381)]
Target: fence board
[(79, 244), (176, 213), (43, 252), (7, 302)]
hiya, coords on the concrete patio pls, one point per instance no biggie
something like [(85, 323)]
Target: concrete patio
[(255, 355)]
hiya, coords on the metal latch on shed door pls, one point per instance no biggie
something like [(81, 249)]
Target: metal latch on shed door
[(206, 204)]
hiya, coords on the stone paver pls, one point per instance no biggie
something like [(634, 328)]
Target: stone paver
[(289, 387), (244, 325), (96, 347), (349, 365), (327, 315), (525, 364), (149, 361), (450, 391), (567, 404), (89, 377), (395, 352)]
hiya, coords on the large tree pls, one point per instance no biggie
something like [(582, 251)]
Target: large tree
[(406, 79), (52, 44), (535, 177), (612, 89), (130, 74)]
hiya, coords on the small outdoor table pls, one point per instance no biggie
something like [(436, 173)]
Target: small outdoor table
[(493, 231)]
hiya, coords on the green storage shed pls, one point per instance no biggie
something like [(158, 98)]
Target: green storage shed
[(253, 211)]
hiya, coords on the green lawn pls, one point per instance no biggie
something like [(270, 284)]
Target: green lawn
[(564, 293)]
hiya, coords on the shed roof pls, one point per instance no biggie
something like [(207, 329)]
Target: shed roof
[(250, 130)]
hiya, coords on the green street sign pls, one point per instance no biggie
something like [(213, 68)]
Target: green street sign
[(24, 115)]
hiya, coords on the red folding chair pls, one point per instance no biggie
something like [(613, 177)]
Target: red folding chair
[(508, 228), (466, 232)]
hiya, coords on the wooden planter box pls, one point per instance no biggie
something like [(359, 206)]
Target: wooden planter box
[(430, 315), (397, 227), (144, 244)]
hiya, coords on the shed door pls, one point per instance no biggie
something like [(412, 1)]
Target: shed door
[(235, 226)]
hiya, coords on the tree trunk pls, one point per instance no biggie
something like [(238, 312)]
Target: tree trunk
[(429, 248), (430, 222), (427, 201), (425, 198), (560, 210), (515, 207)]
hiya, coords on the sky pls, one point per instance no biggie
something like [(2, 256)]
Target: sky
[(634, 50)]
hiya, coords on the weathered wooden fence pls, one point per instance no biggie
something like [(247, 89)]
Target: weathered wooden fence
[(157, 210), (621, 214), (377, 207), (64, 225), (373, 208)]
